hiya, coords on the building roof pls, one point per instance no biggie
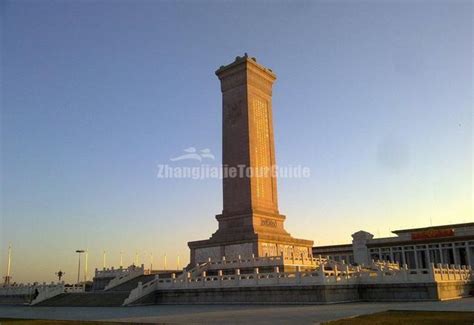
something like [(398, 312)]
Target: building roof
[(335, 246), (459, 225)]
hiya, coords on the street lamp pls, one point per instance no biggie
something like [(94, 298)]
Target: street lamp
[(60, 274), (79, 252)]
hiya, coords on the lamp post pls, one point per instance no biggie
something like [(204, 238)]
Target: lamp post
[(79, 252), (8, 277)]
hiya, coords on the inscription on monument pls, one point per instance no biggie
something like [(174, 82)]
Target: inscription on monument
[(268, 223), (262, 149)]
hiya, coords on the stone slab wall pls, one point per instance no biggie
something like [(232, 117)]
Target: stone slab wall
[(398, 292), (311, 294), (15, 300), (450, 290), (258, 295)]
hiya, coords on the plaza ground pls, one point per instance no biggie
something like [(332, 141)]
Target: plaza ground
[(237, 314)]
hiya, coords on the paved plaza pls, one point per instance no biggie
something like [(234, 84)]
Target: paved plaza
[(261, 314)]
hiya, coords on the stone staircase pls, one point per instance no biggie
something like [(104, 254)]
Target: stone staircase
[(133, 283), (109, 298)]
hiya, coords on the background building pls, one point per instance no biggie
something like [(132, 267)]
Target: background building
[(418, 247)]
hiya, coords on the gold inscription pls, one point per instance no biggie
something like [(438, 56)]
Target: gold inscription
[(268, 223), (262, 148)]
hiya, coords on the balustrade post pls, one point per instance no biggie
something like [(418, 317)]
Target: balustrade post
[(431, 272), (219, 274), (405, 272), (140, 288)]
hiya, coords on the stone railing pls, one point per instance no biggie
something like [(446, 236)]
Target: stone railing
[(17, 290), (331, 273), (141, 291), (384, 265), (132, 273), (30, 289), (111, 272), (261, 262), (74, 289), (448, 273), (42, 291)]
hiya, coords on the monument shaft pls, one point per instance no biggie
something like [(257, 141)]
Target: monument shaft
[(248, 137)]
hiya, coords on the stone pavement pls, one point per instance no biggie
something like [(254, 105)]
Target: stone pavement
[(260, 314)]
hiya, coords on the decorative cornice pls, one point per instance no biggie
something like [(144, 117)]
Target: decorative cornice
[(245, 59), (243, 71)]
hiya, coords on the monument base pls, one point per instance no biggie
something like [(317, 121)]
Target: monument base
[(254, 234)]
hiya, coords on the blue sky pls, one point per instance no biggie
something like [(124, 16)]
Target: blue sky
[(374, 97)]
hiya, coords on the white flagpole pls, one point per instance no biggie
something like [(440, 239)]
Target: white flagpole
[(9, 260), (85, 267)]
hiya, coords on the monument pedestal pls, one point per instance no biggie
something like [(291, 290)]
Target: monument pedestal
[(250, 235)]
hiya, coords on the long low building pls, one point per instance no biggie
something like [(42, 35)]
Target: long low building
[(417, 248)]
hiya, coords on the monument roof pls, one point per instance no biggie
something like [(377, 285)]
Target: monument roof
[(246, 58)]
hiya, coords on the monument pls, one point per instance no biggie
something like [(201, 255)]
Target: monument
[(250, 223)]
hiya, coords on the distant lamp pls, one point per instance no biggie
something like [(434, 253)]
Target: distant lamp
[(79, 252), (60, 274)]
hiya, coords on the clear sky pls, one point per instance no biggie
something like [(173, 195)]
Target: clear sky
[(375, 97)]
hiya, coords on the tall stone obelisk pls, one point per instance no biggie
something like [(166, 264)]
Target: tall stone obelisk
[(250, 223)]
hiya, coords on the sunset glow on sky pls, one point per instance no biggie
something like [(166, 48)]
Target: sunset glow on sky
[(374, 98)]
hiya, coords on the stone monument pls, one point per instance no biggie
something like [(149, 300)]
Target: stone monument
[(250, 223)]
